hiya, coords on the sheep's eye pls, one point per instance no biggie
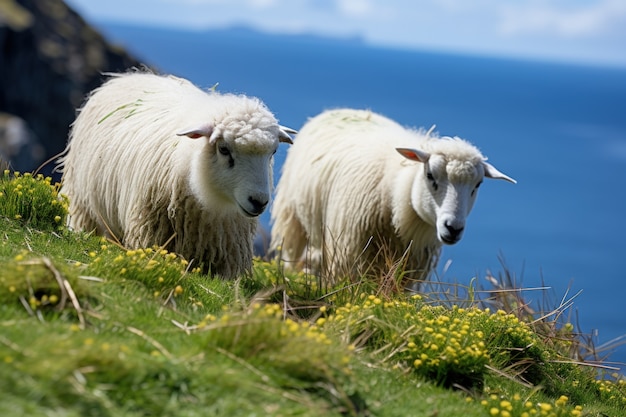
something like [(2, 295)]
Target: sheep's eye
[(476, 188), (223, 150), (431, 178)]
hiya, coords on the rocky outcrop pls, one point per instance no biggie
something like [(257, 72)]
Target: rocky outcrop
[(49, 59), (18, 144)]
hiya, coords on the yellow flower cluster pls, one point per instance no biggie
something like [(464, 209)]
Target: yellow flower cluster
[(445, 339), (613, 390), (448, 345), (516, 406), (296, 283), (288, 327), (510, 340), (517, 332), (262, 333), (32, 199), (43, 301), (156, 267), (441, 344)]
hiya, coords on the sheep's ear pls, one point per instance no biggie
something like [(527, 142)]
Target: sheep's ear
[(206, 130), (283, 134), (492, 172), (197, 131), (414, 154)]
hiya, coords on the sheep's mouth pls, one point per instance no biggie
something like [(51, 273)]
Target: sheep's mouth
[(250, 214), (449, 240)]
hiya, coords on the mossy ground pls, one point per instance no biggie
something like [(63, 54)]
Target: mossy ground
[(88, 328)]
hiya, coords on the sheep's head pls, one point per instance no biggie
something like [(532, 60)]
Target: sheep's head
[(235, 164), (444, 191)]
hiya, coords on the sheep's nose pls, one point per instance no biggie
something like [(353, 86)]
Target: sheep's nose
[(454, 230), (453, 233), (258, 205)]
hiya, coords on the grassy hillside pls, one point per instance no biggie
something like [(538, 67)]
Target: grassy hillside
[(88, 328)]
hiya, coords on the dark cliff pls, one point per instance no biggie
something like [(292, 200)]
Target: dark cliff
[(50, 58)]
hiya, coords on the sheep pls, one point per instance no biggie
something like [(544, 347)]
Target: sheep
[(359, 193), (154, 160)]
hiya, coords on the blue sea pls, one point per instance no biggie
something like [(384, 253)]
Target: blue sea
[(559, 129)]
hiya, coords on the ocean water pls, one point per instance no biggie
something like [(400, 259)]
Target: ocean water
[(560, 130)]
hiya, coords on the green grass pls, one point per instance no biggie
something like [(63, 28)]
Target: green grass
[(88, 328)]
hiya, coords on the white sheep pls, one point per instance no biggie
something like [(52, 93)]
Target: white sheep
[(359, 192), (153, 160)]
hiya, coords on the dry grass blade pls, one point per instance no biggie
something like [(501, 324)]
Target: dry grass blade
[(65, 289), (44, 163), (90, 278), (112, 238), (565, 304), (75, 303), (243, 363), (60, 281), (612, 345), (184, 326), (509, 376), (590, 364), (14, 347), (286, 394), (29, 310), (152, 341)]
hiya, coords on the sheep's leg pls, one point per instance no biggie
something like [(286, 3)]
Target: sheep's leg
[(145, 231), (289, 238), (311, 260)]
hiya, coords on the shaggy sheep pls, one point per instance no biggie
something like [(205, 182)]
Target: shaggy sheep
[(359, 192), (153, 160)]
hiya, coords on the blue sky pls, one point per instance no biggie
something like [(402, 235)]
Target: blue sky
[(582, 31)]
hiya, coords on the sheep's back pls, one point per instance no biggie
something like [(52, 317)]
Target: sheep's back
[(121, 146), (336, 180)]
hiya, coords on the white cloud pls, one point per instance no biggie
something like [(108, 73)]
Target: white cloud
[(569, 21), (572, 30), (263, 4), (355, 8), (460, 6)]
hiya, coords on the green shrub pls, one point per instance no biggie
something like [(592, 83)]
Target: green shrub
[(35, 201)]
